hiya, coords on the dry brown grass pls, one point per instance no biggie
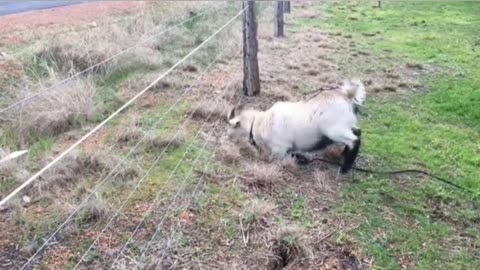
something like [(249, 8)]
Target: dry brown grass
[(56, 111), (288, 246), (129, 134), (127, 171), (229, 152), (289, 163), (263, 176), (6, 167), (94, 211), (278, 94), (67, 60), (209, 109), (74, 168), (160, 141), (322, 180), (257, 212), (50, 59)]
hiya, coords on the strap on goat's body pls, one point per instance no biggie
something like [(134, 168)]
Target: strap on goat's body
[(251, 139)]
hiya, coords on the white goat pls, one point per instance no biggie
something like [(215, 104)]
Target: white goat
[(289, 128)]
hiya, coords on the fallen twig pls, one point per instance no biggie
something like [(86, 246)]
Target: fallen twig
[(327, 235)]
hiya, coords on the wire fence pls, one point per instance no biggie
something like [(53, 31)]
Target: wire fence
[(160, 191), (229, 51), (117, 112), (115, 171), (121, 53)]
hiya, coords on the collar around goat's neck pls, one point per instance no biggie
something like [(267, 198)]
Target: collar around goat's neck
[(251, 139)]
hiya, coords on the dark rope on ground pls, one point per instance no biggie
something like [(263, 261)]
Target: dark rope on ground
[(371, 171)]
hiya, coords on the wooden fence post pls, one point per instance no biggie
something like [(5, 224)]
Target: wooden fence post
[(379, 3), (251, 76), (286, 7), (278, 9)]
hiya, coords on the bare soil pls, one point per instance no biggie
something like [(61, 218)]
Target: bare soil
[(12, 26)]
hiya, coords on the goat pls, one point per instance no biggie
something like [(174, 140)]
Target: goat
[(290, 128)]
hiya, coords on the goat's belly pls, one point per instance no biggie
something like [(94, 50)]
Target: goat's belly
[(316, 144)]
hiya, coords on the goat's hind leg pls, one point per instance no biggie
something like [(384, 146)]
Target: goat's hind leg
[(350, 154), (351, 139)]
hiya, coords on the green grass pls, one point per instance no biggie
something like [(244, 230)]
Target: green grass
[(412, 221)]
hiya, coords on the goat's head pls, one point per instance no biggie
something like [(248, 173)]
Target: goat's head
[(239, 123)]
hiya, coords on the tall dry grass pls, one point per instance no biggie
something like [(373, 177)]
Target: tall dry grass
[(56, 111)]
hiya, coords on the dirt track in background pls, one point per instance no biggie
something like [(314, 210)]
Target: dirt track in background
[(78, 14)]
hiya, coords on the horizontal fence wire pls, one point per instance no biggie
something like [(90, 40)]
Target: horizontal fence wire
[(160, 191), (144, 177), (99, 63), (114, 172), (122, 108), (159, 227), (118, 165)]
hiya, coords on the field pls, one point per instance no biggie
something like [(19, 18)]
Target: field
[(161, 187)]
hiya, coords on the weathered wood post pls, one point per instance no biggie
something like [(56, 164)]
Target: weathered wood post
[(379, 3), (278, 12), (286, 7), (251, 76)]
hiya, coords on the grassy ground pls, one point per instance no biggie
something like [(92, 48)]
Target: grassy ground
[(411, 222), (68, 183), (273, 216)]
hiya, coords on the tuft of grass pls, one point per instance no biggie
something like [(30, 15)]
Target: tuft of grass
[(55, 112), (213, 110), (288, 246), (289, 163), (96, 210), (262, 176), (256, 211), (64, 59), (74, 168), (229, 152), (129, 134), (158, 142), (11, 172)]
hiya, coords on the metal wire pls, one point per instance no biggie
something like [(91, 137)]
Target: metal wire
[(159, 192), (132, 150), (98, 64), (143, 178), (63, 154), (191, 198)]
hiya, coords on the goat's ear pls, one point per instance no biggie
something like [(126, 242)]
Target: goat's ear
[(234, 122), (234, 111), (231, 114)]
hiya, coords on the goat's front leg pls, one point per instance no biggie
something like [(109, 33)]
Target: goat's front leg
[(278, 153)]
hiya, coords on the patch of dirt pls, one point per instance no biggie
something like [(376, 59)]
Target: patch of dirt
[(61, 258), (382, 75), (80, 14)]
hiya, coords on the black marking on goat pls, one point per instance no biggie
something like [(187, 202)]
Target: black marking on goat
[(357, 132), (322, 143), (351, 154), (251, 139), (356, 109)]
